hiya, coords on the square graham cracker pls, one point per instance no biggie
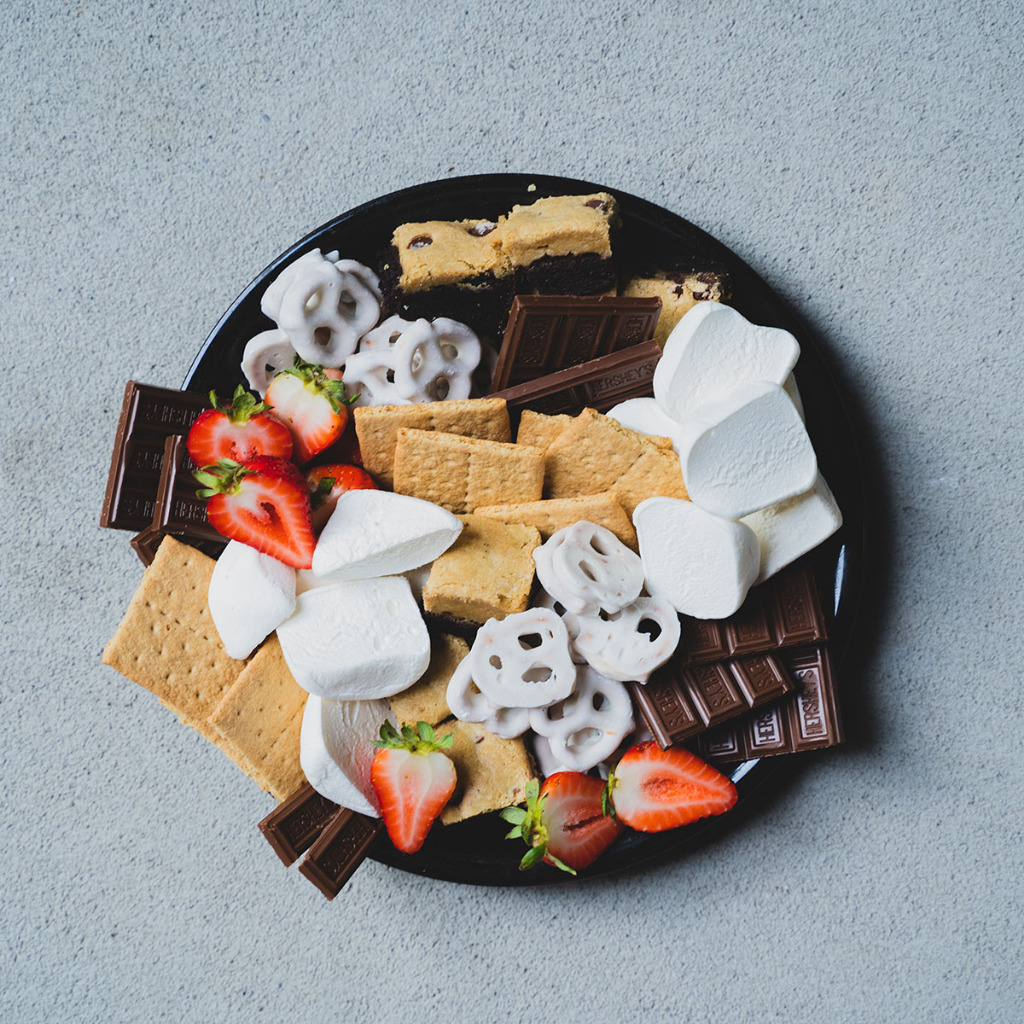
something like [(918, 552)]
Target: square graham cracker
[(426, 700), (492, 773), (460, 473), (594, 453), (167, 641), (539, 428), (260, 717), (486, 574), (552, 514), (377, 427)]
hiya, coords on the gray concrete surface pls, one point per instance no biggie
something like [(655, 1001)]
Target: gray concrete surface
[(865, 158)]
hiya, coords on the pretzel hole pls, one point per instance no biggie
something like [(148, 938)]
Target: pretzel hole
[(598, 701), (588, 572), (439, 388), (495, 662), (583, 738), (449, 351), (649, 628), (600, 545), (609, 616), (314, 300), (417, 360), (322, 336), (390, 376), (537, 674), (530, 641), (393, 337)]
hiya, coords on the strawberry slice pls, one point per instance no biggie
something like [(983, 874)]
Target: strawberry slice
[(328, 483), (262, 502), (238, 431), (653, 789), (312, 403), (413, 779), (563, 823)]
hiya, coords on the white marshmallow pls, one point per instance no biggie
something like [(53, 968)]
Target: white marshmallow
[(745, 450), (645, 416), (793, 527), (712, 348), (250, 595), (789, 386), (356, 639), (336, 748), (379, 533), (701, 564)]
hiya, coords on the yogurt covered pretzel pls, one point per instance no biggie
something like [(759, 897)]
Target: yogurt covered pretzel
[(588, 726), (586, 568), (265, 355), (321, 308)]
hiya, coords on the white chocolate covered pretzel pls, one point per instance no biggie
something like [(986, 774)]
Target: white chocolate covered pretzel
[(630, 643), (522, 661), (588, 726), (264, 356), (586, 568)]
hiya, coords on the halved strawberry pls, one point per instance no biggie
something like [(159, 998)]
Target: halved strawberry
[(653, 789), (413, 779), (563, 823), (312, 403), (328, 483), (262, 502), (239, 431)]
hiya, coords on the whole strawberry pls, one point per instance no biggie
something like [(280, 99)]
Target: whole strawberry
[(328, 483), (313, 405), (652, 789), (563, 823), (239, 431), (413, 779), (262, 502)]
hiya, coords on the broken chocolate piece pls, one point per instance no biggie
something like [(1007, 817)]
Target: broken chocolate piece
[(341, 848), (547, 333), (294, 825)]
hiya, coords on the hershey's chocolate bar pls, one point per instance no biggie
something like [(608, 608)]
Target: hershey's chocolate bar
[(546, 333), (341, 848), (807, 719), (178, 509), (678, 703), (598, 384), (292, 827), (148, 416)]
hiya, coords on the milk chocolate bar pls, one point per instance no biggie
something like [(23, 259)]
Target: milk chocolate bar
[(598, 384), (178, 509), (292, 828), (148, 416), (678, 703), (808, 719), (341, 848), (723, 667), (546, 333)]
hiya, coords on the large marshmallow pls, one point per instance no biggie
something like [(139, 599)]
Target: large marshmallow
[(356, 639), (336, 748), (378, 533), (745, 450), (250, 595), (793, 527), (701, 564), (712, 348)]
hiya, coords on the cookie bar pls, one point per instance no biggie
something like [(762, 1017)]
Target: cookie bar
[(679, 292), (425, 701), (486, 574), (460, 473), (377, 427), (492, 773)]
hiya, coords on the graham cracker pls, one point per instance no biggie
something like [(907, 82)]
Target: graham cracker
[(539, 429), (492, 773), (425, 700), (595, 453), (486, 574), (260, 717), (377, 427), (461, 473), (167, 641), (552, 514)]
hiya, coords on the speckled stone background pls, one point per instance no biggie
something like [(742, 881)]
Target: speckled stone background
[(865, 158)]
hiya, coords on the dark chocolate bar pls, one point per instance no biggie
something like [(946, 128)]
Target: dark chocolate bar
[(341, 848), (546, 333), (178, 510), (807, 719), (678, 703), (725, 667), (598, 384), (292, 828), (148, 416)]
